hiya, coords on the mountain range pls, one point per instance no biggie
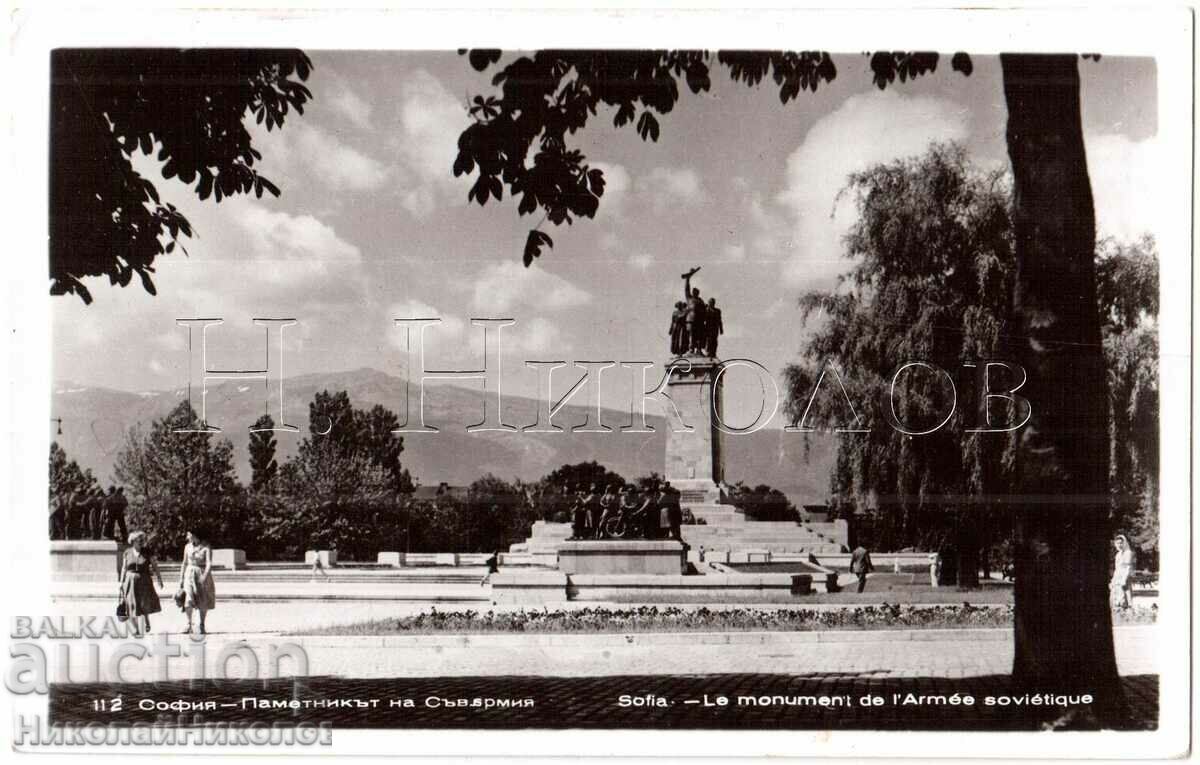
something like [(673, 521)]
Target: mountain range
[(94, 421)]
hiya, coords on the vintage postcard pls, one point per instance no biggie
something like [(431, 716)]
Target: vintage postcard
[(623, 383)]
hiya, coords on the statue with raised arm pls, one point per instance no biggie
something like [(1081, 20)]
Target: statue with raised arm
[(694, 312)]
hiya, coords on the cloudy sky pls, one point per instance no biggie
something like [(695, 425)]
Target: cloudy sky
[(372, 225)]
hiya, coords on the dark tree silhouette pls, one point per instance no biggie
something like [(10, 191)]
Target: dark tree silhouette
[(1063, 628), (263, 467), (186, 107)]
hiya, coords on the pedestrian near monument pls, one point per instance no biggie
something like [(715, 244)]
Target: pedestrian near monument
[(860, 565), (136, 587), (1120, 587), (493, 566), (195, 578)]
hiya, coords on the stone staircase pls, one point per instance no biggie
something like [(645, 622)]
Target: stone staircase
[(725, 528)]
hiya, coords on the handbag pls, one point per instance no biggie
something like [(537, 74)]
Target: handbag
[(180, 598), (122, 611)]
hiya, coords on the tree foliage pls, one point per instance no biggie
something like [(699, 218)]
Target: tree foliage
[(930, 277), (186, 108), (763, 503), (1127, 285), (176, 481), (343, 485), (263, 467)]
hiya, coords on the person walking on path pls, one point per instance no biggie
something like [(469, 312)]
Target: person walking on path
[(196, 580), (1120, 587), (136, 587), (860, 565), (493, 566)]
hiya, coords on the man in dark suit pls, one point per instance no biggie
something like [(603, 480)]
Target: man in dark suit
[(860, 565)]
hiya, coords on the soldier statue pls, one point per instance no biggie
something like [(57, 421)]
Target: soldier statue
[(694, 314)]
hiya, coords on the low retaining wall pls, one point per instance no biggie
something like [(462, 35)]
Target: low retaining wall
[(884, 562), (620, 556), (85, 560), (327, 557), (545, 587), (432, 559), (228, 558)]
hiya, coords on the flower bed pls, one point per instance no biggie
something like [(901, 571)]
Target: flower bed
[(674, 619)]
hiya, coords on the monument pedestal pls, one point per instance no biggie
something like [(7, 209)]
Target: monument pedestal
[(623, 556), (695, 459), (87, 560)]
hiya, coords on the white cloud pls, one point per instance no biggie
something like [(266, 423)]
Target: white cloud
[(431, 119), (504, 287), (1125, 178), (297, 246), (617, 184), (735, 253), (266, 260), (867, 129), (641, 261), (352, 106), (665, 185), (537, 336), (326, 157), (449, 331)]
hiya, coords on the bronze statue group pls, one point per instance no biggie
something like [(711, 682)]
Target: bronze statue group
[(91, 514), (626, 513), (695, 325)]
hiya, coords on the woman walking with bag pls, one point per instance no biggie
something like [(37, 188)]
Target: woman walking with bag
[(195, 578), (137, 590)]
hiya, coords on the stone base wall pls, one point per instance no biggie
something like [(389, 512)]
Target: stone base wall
[(619, 556), (85, 560)]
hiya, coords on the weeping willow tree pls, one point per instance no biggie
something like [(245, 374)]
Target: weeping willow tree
[(930, 281), (1127, 281)]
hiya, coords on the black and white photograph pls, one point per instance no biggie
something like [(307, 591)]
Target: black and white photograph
[(640, 375)]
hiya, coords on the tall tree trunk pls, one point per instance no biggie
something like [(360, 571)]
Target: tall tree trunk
[(1063, 629), (966, 542)]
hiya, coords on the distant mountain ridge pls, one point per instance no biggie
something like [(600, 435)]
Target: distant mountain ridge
[(94, 421)]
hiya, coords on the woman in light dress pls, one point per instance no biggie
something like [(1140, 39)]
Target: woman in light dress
[(195, 578), (1120, 587), (137, 588)]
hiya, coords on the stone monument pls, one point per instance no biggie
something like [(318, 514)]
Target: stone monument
[(695, 459)]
